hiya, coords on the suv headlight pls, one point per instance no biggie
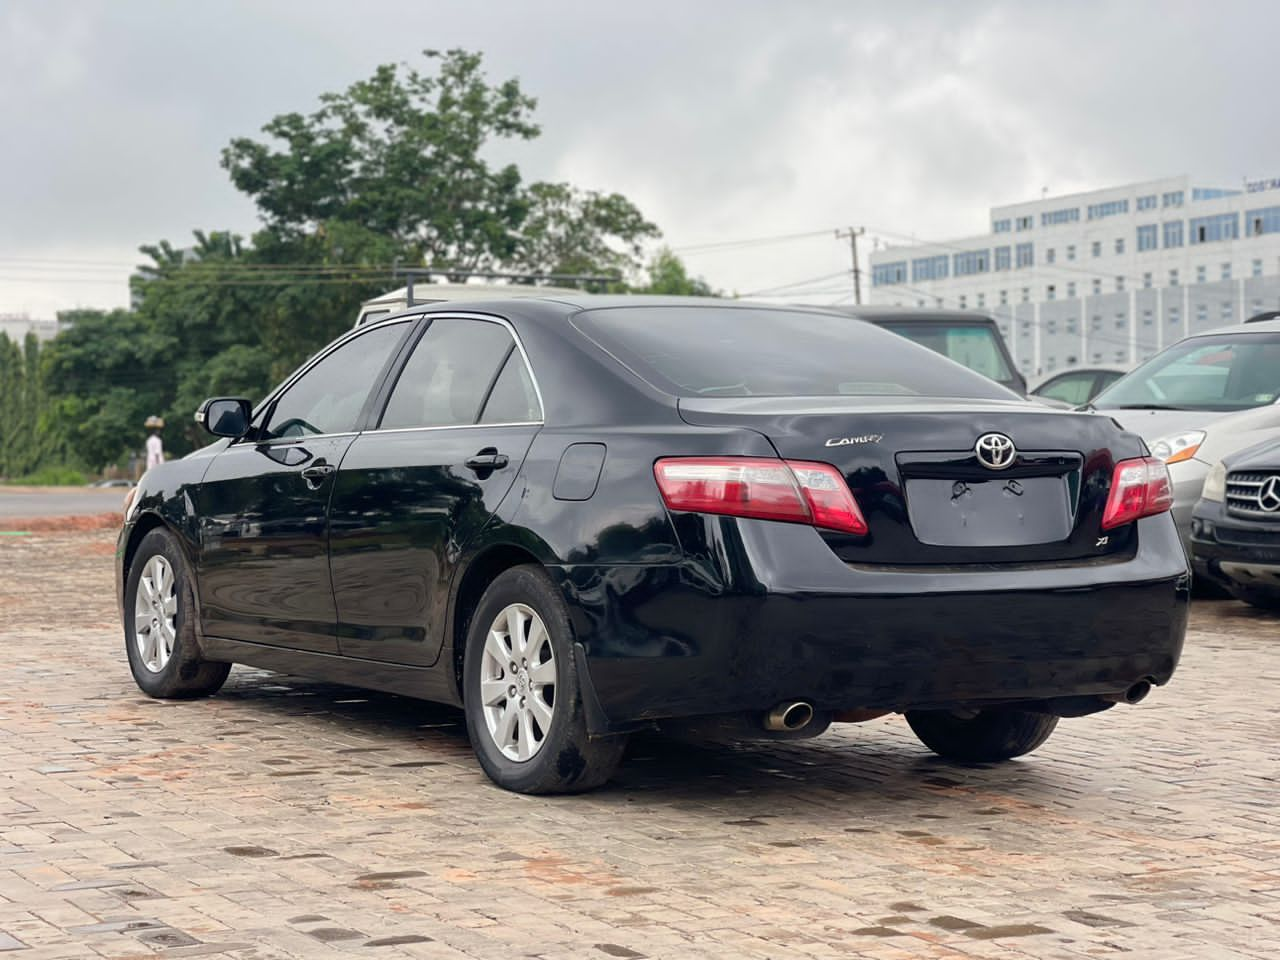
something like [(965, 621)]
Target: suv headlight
[(1215, 484), (1178, 446)]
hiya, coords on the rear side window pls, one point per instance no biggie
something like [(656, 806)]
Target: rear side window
[(513, 399), (449, 374), (752, 352)]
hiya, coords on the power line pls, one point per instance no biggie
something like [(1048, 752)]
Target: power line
[(749, 242)]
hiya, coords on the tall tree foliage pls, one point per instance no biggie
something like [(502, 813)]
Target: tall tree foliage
[(394, 170)]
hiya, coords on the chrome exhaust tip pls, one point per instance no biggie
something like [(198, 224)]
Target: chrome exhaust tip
[(790, 716)]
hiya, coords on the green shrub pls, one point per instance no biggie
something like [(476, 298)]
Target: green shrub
[(52, 477)]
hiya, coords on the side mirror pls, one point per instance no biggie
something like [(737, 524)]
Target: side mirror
[(225, 416)]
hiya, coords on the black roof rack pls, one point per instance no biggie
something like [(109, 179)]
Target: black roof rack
[(1267, 315)]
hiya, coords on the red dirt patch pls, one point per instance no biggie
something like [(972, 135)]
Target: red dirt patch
[(97, 521)]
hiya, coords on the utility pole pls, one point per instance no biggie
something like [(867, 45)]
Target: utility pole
[(853, 236)]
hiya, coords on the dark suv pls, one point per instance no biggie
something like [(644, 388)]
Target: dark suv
[(971, 339), (1235, 527)]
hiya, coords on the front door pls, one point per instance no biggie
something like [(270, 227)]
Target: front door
[(411, 493), (263, 565)]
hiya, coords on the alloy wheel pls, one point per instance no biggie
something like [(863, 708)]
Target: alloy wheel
[(518, 682), (154, 608)]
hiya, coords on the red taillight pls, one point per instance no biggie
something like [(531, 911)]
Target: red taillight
[(792, 490), (1139, 488)]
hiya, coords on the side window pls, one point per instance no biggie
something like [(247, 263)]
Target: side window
[(513, 399), (329, 396), (449, 374)]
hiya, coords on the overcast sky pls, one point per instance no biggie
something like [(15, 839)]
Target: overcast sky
[(723, 120)]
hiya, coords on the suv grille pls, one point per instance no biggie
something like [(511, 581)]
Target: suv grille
[(1255, 496)]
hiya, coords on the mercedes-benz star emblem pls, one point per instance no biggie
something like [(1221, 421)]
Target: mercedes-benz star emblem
[(1269, 495), (995, 451)]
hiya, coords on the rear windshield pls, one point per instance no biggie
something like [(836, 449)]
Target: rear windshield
[(1224, 372), (751, 352), (971, 344)]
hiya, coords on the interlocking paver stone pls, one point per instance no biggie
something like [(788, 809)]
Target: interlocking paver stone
[(291, 819)]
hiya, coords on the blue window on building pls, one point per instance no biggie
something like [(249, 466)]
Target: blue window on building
[(1051, 218), (1172, 199), (1149, 202), (1050, 255), (1266, 220), (1109, 209), (1025, 223), (1223, 226), (971, 262), (1148, 238), (1002, 258), (929, 268), (1026, 255), (1001, 226), (1173, 233), (1210, 193), (885, 274), (1095, 248)]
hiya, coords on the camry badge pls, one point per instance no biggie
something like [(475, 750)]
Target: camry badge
[(995, 451), (845, 441)]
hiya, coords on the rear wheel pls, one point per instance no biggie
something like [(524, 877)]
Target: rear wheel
[(159, 624), (522, 699), (982, 737)]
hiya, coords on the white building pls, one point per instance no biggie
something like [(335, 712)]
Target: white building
[(1105, 277), (17, 325)]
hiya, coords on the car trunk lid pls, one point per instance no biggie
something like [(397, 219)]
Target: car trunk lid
[(926, 495)]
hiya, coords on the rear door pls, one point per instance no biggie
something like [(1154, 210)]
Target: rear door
[(263, 563), (420, 484)]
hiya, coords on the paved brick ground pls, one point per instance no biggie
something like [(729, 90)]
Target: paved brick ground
[(286, 818)]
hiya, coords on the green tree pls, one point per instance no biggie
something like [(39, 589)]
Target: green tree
[(107, 371), (582, 231), (668, 275), (398, 156)]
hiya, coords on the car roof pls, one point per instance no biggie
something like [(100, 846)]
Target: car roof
[(426, 292), (576, 302), (1261, 326), (914, 314)]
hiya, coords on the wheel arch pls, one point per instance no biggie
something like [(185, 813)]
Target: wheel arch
[(484, 565), (143, 525)]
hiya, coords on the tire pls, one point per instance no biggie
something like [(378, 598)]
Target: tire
[(166, 662), (987, 737), (527, 746), (1262, 599)]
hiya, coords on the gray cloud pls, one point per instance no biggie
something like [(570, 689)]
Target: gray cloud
[(728, 119)]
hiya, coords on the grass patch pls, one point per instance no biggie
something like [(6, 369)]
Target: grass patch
[(51, 477)]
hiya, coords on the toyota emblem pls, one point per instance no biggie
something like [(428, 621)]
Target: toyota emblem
[(995, 451), (1269, 495)]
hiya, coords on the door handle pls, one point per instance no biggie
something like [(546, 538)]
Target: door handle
[(487, 460), (317, 473)]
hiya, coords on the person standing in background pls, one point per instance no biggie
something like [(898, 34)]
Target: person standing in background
[(155, 446)]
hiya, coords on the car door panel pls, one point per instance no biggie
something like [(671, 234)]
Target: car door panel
[(404, 507), (410, 495), (263, 563), (264, 567)]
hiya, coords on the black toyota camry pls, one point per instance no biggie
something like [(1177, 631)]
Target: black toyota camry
[(579, 518)]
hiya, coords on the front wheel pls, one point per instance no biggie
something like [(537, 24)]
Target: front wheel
[(520, 690), (159, 624), (983, 737)]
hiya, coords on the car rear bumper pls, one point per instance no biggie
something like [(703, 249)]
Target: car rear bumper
[(784, 619), (1234, 552)]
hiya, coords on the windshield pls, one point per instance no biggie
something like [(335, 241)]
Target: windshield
[(718, 351), (973, 345), (1229, 371)]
